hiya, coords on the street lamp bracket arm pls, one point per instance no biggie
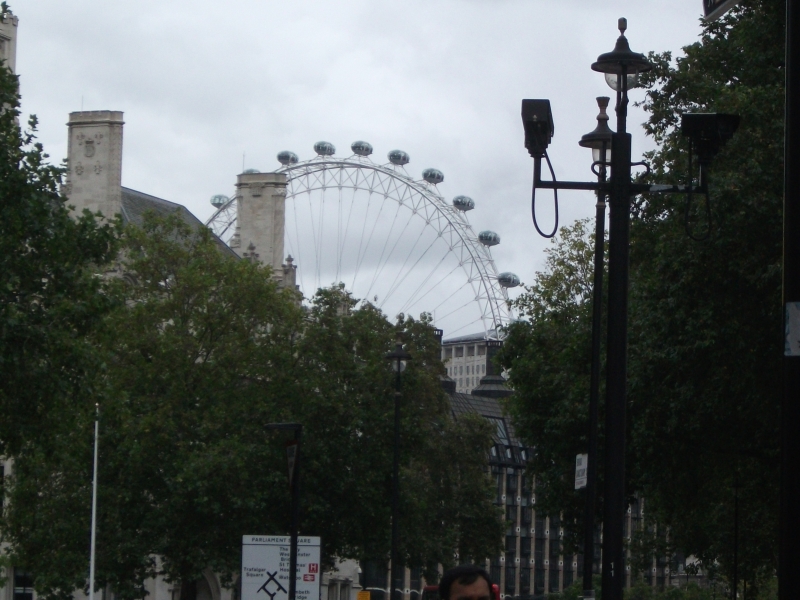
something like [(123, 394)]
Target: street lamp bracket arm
[(537, 179)]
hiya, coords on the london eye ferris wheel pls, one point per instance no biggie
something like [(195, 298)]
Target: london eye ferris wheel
[(392, 240)]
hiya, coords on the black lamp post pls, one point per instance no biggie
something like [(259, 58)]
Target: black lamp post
[(294, 484), (398, 359), (599, 141), (707, 133)]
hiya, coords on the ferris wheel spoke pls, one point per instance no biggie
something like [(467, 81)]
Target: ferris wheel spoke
[(381, 260), (463, 327), (339, 234), (346, 229), (450, 297), (313, 237), (403, 272), (413, 299), (299, 254), (455, 310), (363, 255)]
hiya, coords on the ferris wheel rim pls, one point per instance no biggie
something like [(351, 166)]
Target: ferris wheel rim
[(492, 297)]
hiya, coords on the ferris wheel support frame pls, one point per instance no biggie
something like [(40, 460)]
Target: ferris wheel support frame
[(361, 174)]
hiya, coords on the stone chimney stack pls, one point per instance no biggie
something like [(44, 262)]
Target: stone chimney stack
[(261, 217), (8, 41), (94, 160)]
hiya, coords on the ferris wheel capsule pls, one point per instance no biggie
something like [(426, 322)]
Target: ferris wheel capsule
[(218, 200), (508, 280), (324, 148), (398, 157), (463, 203), (361, 148), (488, 238), (287, 158), (433, 176)]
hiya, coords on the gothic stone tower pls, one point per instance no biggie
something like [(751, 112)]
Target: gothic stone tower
[(261, 217), (94, 159), (8, 41)]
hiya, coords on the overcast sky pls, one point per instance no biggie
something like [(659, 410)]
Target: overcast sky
[(201, 83)]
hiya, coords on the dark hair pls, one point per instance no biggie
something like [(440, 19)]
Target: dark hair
[(463, 574)]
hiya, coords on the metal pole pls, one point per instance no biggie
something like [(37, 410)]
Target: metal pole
[(395, 557), (789, 530), (616, 364), (295, 524), (594, 386), (94, 503), (735, 541)]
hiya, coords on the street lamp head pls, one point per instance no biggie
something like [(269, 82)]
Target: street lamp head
[(599, 139), (621, 60), (537, 119), (398, 358), (709, 132)]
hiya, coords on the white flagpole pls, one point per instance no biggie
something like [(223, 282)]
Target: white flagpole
[(94, 503)]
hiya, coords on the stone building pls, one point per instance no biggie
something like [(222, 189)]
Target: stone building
[(94, 183), (468, 358)]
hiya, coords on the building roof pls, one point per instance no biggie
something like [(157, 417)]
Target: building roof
[(507, 450), (136, 204), (472, 337)]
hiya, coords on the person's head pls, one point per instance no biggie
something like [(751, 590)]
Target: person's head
[(466, 582)]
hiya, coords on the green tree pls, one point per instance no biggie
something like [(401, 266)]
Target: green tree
[(50, 297), (706, 337), (547, 354), (705, 316), (204, 351)]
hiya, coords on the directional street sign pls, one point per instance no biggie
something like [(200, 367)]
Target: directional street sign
[(265, 567), (714, 9)]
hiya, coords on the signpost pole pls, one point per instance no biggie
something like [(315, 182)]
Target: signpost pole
[(295, 525), (789, 528)]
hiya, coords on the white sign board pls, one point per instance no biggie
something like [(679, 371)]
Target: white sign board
[(581, 470), (265, 567)]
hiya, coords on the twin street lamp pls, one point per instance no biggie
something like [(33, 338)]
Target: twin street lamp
[(707, 134)]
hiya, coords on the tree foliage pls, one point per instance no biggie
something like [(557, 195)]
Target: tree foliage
[(50, 296), (705, 316), (548, 356), (201, 352)]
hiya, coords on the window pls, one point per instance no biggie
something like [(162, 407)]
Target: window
[(459, 351), (568, 575), (448, 353), (344, 591), (416, 578), (470, 350), (511, 514), (511, 575), (333, 590), (375, 573), (511, 482), (23, 585), (553, 578), (538, 581), (461, 370), (481, 350), (501, 428)]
